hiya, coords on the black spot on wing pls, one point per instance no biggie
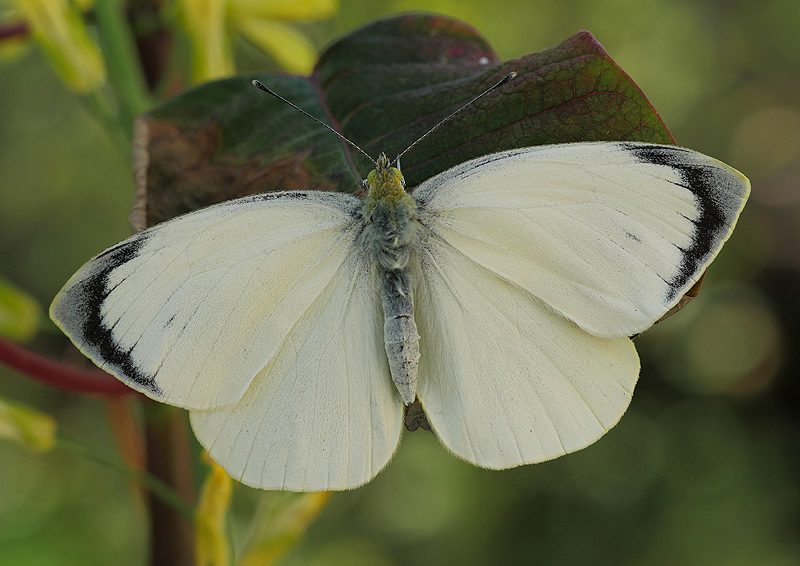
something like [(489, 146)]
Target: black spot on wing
[(85, 299), (633, 237), (716, 196)]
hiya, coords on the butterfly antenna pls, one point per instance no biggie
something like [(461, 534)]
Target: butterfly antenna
[(259, 85), (499, 83)]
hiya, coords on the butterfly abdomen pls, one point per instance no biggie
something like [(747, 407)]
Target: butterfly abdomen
[(390, 236)]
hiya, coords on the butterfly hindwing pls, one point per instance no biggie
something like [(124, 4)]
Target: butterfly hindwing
[(324, 414), (610, 235), (189, 311), (504, 380)]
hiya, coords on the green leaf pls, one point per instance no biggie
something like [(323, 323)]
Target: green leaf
[(382, 86), (19, 313)]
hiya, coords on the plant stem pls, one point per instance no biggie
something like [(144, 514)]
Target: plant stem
[(154, 37), (169, 459), (59, 374), (103, 112), (124, 71), (121, 413), (153, 485), (14, 30)]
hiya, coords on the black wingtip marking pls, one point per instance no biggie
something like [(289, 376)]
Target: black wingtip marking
[(712, 188), (90, 294)]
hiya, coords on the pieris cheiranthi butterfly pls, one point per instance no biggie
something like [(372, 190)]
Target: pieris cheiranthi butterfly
[(293, 325)]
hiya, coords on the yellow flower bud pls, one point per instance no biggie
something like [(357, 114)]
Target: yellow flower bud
[(280, 523), (211, 542), (31, 428), (204, 21), (287, 10), (59, 30), (290, 48), (19, 313)]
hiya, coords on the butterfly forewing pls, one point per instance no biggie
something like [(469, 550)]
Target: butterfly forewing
[(189, 311), (610, 235)]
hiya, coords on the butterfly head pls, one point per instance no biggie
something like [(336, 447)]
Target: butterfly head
[(385, 182)]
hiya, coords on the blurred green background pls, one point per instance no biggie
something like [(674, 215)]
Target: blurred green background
[(702, 469)]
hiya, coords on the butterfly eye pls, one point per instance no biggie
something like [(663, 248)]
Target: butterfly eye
[(364, 183)]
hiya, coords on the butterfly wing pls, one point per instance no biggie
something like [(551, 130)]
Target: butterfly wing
[(534, 267), (190, 310), (324, 414), (610, 235), (503, 379)]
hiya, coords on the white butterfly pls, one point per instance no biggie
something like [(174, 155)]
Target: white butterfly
[(293, 325)]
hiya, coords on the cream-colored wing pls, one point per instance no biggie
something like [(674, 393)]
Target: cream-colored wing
[(503, 379), (189, 311), (324, 414), (610, 235)]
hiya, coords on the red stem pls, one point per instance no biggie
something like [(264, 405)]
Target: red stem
[(17, 29), (59, 374)]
